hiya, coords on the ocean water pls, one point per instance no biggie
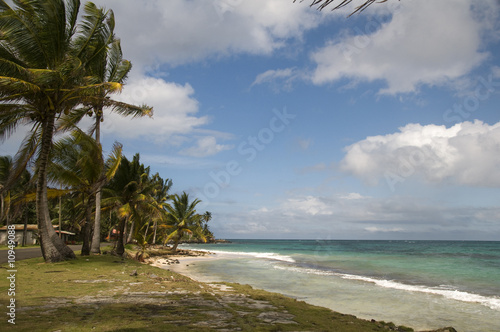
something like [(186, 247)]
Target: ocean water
[(421, 284)]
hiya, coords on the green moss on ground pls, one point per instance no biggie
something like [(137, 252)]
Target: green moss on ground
[(107, 293)]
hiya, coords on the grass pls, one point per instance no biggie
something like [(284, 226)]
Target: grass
[(103, 293), (5, 247)]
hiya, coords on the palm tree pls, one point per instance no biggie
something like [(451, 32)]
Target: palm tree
[(44, 75), (127, 194), (160, 197), (106, 65), (5, 171), (324, 3), (184, 219), (110, 68), (77, 161), (207, 216)]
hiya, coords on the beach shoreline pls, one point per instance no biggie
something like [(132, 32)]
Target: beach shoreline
[(183, 265)]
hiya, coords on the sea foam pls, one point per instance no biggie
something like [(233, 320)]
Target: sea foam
[(445, 291), (263, 255)]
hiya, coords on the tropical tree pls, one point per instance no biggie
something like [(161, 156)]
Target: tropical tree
[(206, 217), (44, 56), (105, 65), (128, 195), (160, 198), (77, 162), (183, 218)]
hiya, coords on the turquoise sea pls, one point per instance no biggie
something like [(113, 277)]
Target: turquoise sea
[(421, 284)]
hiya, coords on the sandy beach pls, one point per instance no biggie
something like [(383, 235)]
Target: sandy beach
[(181, 263)]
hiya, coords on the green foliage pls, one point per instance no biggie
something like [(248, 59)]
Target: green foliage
[(183, 219)]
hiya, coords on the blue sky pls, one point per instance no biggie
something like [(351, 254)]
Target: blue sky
[(293, 123)]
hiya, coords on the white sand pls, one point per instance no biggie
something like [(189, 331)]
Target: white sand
[(185, 262)]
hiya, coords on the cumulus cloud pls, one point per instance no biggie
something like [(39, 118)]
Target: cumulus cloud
[(466, 154), (178, 31), (353, 196), (205, 146), (309, 205), (424, 43), (174, 109)]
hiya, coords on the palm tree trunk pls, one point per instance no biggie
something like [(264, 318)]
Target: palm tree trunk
[(177, 240), (96, 238), (87, 229), (1, 208), (25, 230), (120, 248), (131, 232), (155, 226), (53, 248)]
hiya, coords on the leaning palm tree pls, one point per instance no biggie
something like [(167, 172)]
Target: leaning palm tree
[(77, 162), (43, 76), (184, 219)]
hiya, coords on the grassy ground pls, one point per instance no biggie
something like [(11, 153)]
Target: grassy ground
[(5, 247), (107, 293)]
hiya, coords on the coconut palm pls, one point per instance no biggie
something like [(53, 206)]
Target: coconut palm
[(44, 58), (160, 197), (77, 162), (128, 195), (183, 218), (105, 65), (109, 66), (206, 217)]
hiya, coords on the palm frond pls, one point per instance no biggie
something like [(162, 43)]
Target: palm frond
[(325, 3)]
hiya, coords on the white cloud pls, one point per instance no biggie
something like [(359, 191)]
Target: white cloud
[(179, 31), (174, 110), (352, 196), (425, 43), (270, 75), (465, 154), (309, 205), (316, 216), (279, 79), (205, 146), (374, 229)]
